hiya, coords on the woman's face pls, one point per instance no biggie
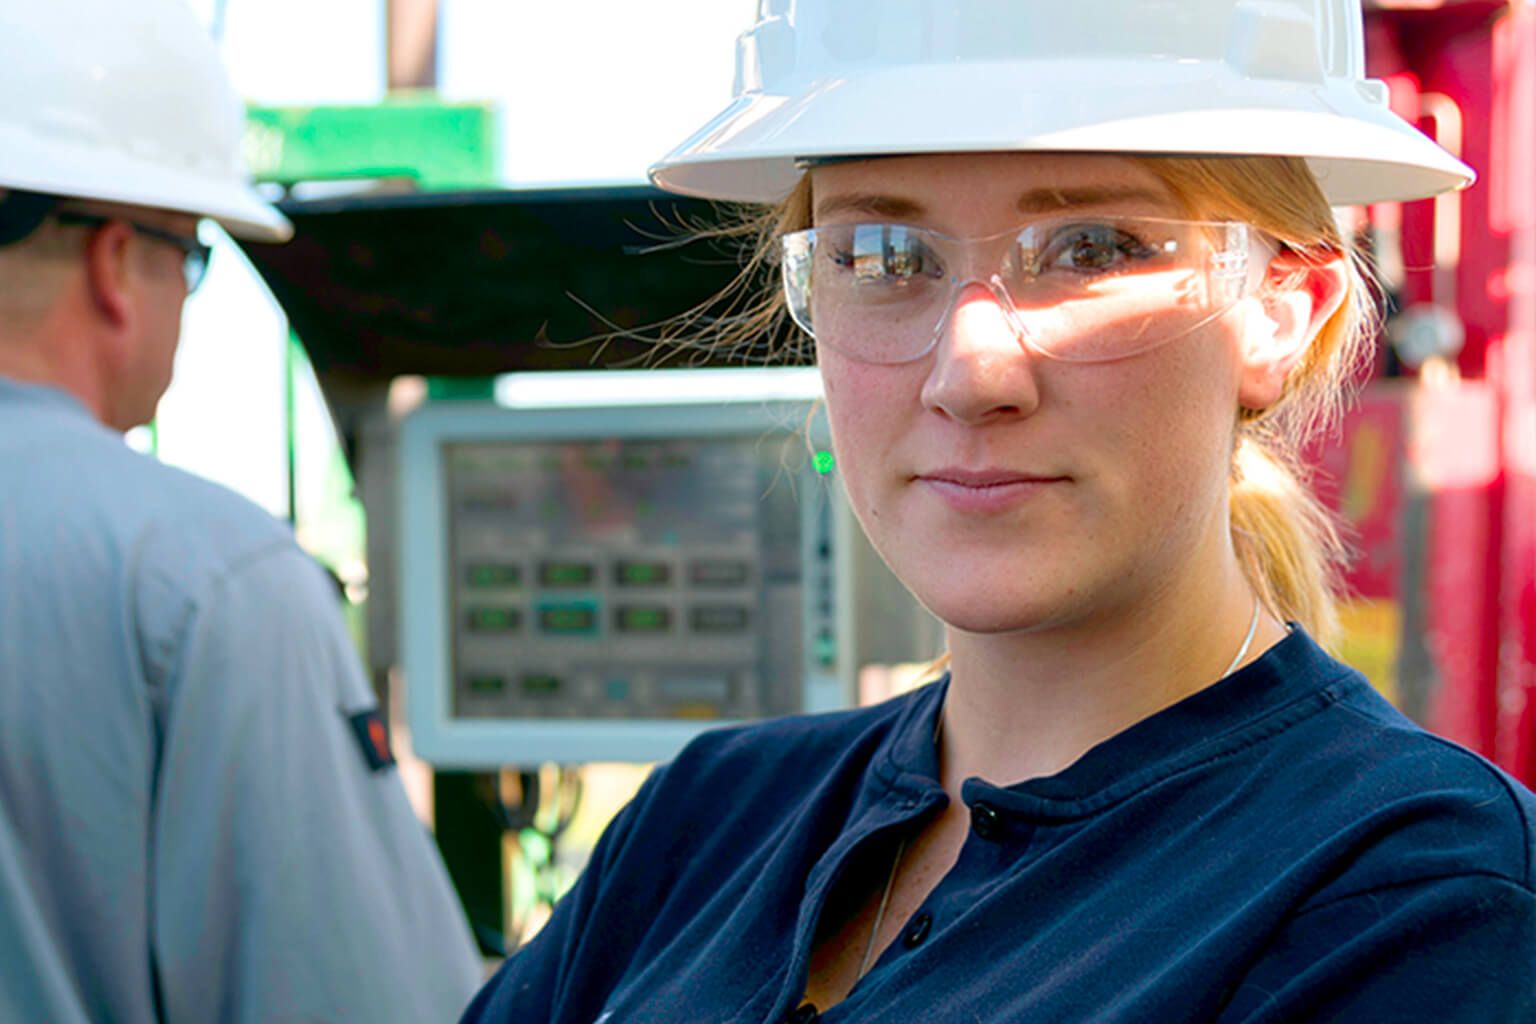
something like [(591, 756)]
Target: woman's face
[(1009, 490)]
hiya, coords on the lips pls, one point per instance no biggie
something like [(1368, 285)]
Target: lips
[(982, 478), (985, 490)]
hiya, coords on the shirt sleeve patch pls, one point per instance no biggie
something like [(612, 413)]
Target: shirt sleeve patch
[(372, 735)]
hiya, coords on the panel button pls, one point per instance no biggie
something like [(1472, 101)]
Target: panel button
[(566, 574), (572, 618), (985, 821), (487, 576), (642, 618), (917, 931), (720, 618), (718, 572), (485, 683), (634, 573), (493, 619), (541, 684), (699, 688)]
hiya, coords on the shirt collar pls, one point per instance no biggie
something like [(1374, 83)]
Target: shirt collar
[(1292, 680), (47, 395)]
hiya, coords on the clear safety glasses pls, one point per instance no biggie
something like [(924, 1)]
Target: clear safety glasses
[(1078, 288), (195, 253)]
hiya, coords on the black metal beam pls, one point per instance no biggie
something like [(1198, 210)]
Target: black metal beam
[(480, 283)]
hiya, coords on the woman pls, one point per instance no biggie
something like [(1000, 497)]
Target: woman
[(1065, 375)]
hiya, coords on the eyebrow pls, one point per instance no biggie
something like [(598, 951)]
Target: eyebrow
[(1046, 200), (868, 202), (1040, 200)]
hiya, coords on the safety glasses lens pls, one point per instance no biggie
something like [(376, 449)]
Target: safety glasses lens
[(1083, 289)]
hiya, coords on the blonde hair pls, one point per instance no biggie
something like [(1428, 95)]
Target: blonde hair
[(1285, 539)]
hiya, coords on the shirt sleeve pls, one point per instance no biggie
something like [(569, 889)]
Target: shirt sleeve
[(1457, 950), (290, 878), (567, 971)]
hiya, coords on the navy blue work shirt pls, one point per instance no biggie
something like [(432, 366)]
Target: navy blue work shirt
[(1281, 846)]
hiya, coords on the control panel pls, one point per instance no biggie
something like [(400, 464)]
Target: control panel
[(600, 584)]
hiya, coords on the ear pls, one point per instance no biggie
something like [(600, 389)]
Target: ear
[(109, 275), (1297, 297)]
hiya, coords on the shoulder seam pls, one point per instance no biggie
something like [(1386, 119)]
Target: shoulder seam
[(1423, 880), (1250, 734), (1497, 776), (214, 582), (273, 548)]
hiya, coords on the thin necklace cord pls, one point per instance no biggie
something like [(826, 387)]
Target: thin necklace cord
[(901, 847)]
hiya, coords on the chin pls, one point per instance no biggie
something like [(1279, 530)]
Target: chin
[(990, 589), (987, 613)]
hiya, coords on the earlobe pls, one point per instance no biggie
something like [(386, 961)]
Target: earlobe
[(1299, 297)]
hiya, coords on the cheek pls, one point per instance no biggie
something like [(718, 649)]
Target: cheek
[(1175, 424), (868, 408)]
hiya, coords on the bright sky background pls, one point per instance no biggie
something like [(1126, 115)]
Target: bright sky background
[(589, 91)]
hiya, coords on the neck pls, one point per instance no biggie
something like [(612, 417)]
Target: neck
[(58, 359), (1028, 704)]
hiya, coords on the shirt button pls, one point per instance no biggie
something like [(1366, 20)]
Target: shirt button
[(917, 931), (806, 1014), (985, 821)]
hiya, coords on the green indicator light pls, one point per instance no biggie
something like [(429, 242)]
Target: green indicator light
[(487, 684), (493, 576), (494, 620), (643, 574), (541, 685), (568, 619), (566, 574), (644, 619), (826, 649), (825, 462)]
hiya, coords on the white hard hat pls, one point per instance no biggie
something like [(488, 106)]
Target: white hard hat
[(125, 101), (839, 78)]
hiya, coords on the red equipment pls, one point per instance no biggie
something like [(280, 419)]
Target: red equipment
[(1436, 468)]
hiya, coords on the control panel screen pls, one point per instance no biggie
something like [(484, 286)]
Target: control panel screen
[(624, 578)]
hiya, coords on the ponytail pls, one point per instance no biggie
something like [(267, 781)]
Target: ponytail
[(1285, 539)]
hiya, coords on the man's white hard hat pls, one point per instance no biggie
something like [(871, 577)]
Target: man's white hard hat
[(829, 79), (125, 101)]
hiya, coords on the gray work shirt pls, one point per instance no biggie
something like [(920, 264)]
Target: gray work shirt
[(190, 826)]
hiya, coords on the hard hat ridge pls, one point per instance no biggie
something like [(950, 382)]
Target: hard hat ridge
[(820, 79)]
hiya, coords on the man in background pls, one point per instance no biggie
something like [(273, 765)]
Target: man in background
[(199, 816)]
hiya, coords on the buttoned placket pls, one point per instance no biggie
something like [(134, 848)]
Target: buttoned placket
[(905, 788), (898, 809), (999, 840)]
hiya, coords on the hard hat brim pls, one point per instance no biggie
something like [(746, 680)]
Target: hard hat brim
[(63, 168), (1359, 150)]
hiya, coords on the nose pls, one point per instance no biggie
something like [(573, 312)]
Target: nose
[(981, 371)]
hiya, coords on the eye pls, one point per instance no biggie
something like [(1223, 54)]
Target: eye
[(883, 255), (1093, 249)]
